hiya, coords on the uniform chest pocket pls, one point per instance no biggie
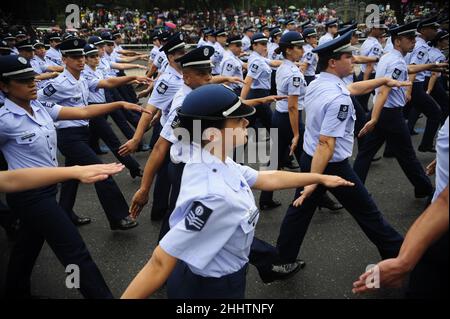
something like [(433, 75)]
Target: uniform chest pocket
[(28, 138)]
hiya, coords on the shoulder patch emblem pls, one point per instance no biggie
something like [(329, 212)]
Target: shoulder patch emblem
[(296, 81), (49, 90), (254, 67), (396, 74), (343, 112), (162, 88), (197, 217)]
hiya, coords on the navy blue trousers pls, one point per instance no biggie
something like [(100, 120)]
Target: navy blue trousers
[(421, 102), (356, 200), (73, 144), (42, 219), (392, 129), (184, 284)]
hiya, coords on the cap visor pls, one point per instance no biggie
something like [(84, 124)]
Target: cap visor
[(349, 49), (23, 76), (242, 111)]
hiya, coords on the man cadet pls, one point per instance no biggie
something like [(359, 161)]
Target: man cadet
[(388, 122), (159, 105), (421, 102), (370, 48), (231, 65), (246, 40), (332, 28), (53, 56), (328, 144), (309, 59), (70, 88)]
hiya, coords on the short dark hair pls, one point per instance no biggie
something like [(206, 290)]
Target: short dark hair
[(188, 124), (199, 71), (322, 64)]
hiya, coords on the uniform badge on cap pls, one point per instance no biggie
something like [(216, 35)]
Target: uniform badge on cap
[(206, 51), (22, 60), (75, 42), (181, 37)]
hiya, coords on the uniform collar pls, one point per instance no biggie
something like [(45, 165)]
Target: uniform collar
[(70, 77), (288, 62), (330, 77), (397, 52), (186, 89), (173, 71), (223, 168), (420, 41), (16, 109)]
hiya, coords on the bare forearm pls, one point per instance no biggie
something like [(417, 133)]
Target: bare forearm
[(246, 88), (124, 66), (54, 68), (116, 81), (144, 123), (368, 71), (277, 180), (30, 178), (381, 98), (362, 59), (150, 278), (429, 227), (365, 87), (293, 119), (432, 82), (322, 155), (154, 163)]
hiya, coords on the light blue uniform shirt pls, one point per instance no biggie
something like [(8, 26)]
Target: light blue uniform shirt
[(326, 38), (179, 151), (201, 43), (442, 160), (271, 47), (164, 91), (39, 66), (105, 67), (246, 43), (161, 62), (371, 48), (29, 141), (213, 223), (108, 60), (154, 53), (435, 55), (329, 112), (393, 65), (260, 71), (67, 91), (388, 46), (419, 56), (217, 57), (290, 81), (2, 98), (96, 95), (231, 65), (310, 58), (53, 57)]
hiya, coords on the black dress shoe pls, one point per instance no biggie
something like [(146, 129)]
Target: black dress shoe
[(136, 173), (282, 271), (327, 202), (269, 205), (423, 149), (80, 221), (124, 224)]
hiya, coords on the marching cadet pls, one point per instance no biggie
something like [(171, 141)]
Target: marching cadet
[(331, 27), (219, 50), (370, 48), (328, 143), (420, 101), (287, 117), (257, 81), (118, 49), (246, 40), (231, 65), (28, 139), (272, 45), (40, 66), (72, 89), (99, 126), (387, 120), (154, 51), (205, 253), (11, 42), (264, 29), (291, 25), (309, 59), (161, 62), (53, 56), (433, 81), (159, 102), (202, 41)]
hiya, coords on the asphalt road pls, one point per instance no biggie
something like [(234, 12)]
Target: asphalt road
[(335, 249)]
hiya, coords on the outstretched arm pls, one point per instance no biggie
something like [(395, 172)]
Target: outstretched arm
[(30, 178)]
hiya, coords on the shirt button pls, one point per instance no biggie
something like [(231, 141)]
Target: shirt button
[(30, 140), (214, 170), (254, 224), (48, 136), (54, 159)]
